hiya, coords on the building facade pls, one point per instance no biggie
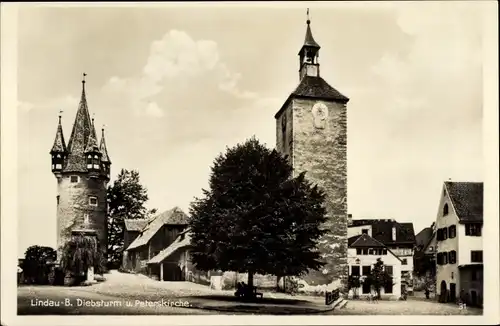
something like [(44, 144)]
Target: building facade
[(459, 244), (311, 130), (363, 253), (82, 170), (398, 237)]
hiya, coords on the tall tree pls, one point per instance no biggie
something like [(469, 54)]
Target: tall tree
[(34, 266), (255, 217), (126, 200), (379, 277)]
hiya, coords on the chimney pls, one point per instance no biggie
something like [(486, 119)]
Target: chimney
[(349, 219), (393, 233)]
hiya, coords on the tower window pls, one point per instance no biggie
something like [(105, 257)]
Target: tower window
[(445, 210), (58, 199), (74, 179), (476, 256), (58, 155), (86, 218), (93, 201), (96, 157)]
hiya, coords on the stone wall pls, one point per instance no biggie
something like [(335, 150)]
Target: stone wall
[(73, 204), (322, 153)]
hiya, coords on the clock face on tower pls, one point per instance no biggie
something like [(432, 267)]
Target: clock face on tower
[(320, 115)]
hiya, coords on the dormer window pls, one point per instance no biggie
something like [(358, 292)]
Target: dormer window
[(93, 201), (74, 179), (445, 210)]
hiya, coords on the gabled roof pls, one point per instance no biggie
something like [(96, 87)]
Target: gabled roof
[(364, 241), (135, 224), (183, 240), (382, 230), (174, 216), (423, 236), (467, 199)]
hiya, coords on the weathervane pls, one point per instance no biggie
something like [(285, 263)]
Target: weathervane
[(308, 20), (83, 80), (60, 114)]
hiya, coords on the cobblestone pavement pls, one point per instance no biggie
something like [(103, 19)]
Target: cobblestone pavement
[(409, 307)]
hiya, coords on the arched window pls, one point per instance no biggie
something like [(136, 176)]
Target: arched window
[(445, 210), (89, 162)]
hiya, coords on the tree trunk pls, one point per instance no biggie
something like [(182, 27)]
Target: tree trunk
[(250, 284)]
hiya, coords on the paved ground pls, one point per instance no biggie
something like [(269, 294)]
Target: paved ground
[(409, 307), (130, 294)]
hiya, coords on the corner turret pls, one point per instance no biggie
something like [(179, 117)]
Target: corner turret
[(59, 150)]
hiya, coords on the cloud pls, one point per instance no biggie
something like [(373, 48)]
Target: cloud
[(442, 70), (176, 62), (66, 103)]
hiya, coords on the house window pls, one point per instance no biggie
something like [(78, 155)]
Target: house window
[(389, 269), (473, 229), (452, 231), (364, 231), (366, 270), (431, 248), (74, 179), (365, 251), (384, 251), (445, 210), (404, 261), (444, 257), (445, 233), (452, 257), (371, 251), (473, 276), (93, 201), (358, 251), (476, 256), (355, 270)]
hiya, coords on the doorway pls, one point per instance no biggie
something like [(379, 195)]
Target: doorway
[(442, 292), (473, 297), (453, 292)]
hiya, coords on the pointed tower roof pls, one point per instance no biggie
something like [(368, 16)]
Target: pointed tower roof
[(59, 143), (82, 130), (103, 149), (309, 41)]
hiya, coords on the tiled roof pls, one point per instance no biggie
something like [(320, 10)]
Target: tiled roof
[(317, 87), (467, 199), (135, 224), (382, 230), (59, 143), (82, 128), (92, 142), (182, 240), (364, 241), (174, 216), (422, 238), (104, 149)]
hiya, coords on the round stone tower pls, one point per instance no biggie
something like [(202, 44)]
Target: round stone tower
[(82, 170)]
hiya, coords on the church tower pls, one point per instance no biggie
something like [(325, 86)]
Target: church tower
[(311, 130), (82, 170)]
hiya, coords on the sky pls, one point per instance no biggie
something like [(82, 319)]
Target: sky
[(175, 85)]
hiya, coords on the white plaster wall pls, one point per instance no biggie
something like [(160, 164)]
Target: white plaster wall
[(466, 245), (449, 272), (370, 260)]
